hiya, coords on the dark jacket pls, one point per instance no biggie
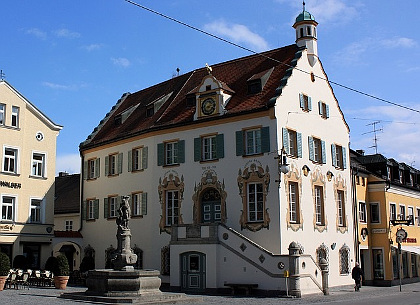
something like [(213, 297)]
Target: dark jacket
[(356, 273)]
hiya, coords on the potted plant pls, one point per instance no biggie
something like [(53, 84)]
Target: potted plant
[(61, 270), (4, 269)]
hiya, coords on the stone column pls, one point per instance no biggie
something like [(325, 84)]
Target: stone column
[(324, 269), (294, 262)]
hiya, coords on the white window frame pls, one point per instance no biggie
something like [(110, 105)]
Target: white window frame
[(90, 209), (294, 202), (2, 114), (410, 212), (418, 217), (341, 205), (113, 164), (38, 209), (39, 167), (371, 204), (15, 117), (91, 169), (319, 205), (15, 159), (402, 212), (209, 148), (137, 204), (362, 212), (393, 211), (13, 205), (171, 153), (69, 225), (252, 198), (293, 143), (172, 205), (253, 141), (137, 155), (112, 206)]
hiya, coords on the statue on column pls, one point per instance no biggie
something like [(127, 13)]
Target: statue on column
[(124, 212)]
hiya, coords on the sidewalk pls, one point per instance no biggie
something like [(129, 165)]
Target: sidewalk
[(50, 296)]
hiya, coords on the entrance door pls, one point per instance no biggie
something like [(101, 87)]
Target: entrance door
[(193, 271), (211, 207)]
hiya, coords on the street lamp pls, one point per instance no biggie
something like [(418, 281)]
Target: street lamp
[(283, 167)]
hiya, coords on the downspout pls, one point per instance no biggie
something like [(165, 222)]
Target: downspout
[(355, 214), (82, 157)]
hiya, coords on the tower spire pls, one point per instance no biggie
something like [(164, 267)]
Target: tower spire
[(303, 5)]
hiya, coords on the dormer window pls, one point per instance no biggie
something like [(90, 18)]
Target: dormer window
[(257, 82), (401, 176), (191, 100), (150, 111), (208, 87), (118, 120), (254, 86)]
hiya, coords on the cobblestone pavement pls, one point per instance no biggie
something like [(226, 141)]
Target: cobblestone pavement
[(50, 296)]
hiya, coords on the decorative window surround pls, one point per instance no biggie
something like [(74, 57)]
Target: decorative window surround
[(340, 189), (294, 176), (318, 180)]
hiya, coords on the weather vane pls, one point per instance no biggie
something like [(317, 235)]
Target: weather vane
[(209, 69), (2, 75)]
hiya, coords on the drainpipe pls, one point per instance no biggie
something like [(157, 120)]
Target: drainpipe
[(355, 214), (81, 190)]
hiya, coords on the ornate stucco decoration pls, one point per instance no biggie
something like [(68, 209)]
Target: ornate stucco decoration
[(322, 252), (253, 172), (340, 185), (294, 175), (208, 181), (318, 179), (170, 182)]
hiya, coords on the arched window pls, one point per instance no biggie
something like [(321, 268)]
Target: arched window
[(345, 259), (165, 261)]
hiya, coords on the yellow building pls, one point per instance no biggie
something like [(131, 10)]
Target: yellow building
[(27, 157), (386, 196)]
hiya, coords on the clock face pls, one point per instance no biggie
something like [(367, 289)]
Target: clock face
[(401, 234), (208, 106)]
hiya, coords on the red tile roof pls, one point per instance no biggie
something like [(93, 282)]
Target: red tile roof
[(175, 111)]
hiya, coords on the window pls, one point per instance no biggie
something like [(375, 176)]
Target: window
[(402, 211), (113, 164), (139, 204), (36, 208), (338, 154), (252, 141), (292, 143), (69, 225), (374, 212), (362, 212), (324, 110), (172, 207), (345, 260), (150, 111), (317, 150), (378, 265), (418, 217), (209, 148), (341, 208), (171, 153), (319, 205), (255, 202), (38, 165), (392, 211), (388, 172), (411, 215), (90, 209), (305, 102), (15, 116), (137, 159), (110, 207), (2, 113), (92, 169), (294, 206), (401, 174), (7, 207), (10, 160)]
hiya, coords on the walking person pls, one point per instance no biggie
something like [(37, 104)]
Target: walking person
[(357, 274)]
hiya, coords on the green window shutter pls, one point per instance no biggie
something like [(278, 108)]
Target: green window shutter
[(97, 167), (144, 157), (301, 101), (197, 149), (309, 103), (334, 155), (161, 154), (286, 140), (181, 151), (239, 143), (107, 166), (220, 146), (144, 204), (299, 144), (344, 157), (265, 139), (84, 207), (85, 170), (324, 153), (106, 208), (120, 163), (311, 148), (130, 160), (327, 110), (96, 208), (320, 107)]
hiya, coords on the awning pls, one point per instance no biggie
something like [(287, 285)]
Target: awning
[(67, 248), (414, 249)]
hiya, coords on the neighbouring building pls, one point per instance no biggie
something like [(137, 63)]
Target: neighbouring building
[(203, 157), (67, 237), (385, 192), (28, 152)]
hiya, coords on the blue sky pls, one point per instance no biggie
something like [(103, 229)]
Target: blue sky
[(74, 59)]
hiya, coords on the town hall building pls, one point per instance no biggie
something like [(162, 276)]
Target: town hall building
[(238, 173)]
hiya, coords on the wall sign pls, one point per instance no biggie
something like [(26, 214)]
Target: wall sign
[(11, 185)]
